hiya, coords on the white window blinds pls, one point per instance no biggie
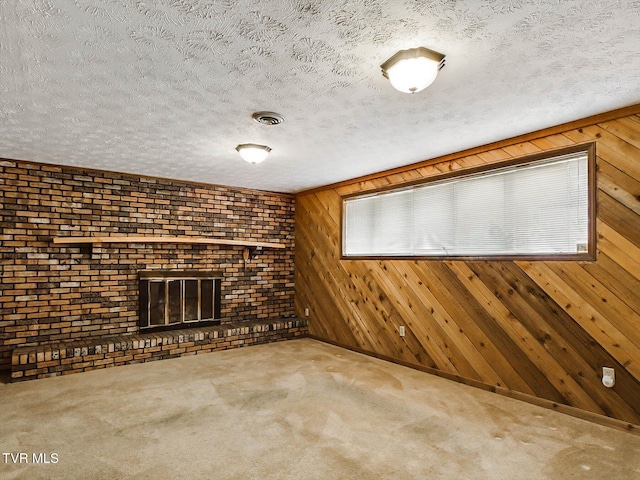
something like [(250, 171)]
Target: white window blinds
[(539, 208)]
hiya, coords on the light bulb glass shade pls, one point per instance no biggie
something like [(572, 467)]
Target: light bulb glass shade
[(252, 153), (413, 70)]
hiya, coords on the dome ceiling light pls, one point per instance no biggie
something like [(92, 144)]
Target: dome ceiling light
[(252, 153), (412, 70)]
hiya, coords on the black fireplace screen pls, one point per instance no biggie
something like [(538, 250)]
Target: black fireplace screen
[(178, 299)]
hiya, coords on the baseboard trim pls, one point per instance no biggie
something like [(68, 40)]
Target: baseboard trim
[(540, 402)]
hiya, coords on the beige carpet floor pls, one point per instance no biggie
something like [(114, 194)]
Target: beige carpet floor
[(293, 410)]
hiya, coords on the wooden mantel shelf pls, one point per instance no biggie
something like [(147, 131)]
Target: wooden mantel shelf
[(97, 240)]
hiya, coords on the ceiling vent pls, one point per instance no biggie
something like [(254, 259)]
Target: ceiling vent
[(268, 118)]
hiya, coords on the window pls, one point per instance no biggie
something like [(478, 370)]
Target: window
[(527, 208)]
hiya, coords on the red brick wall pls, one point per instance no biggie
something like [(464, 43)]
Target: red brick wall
[(55, 292)]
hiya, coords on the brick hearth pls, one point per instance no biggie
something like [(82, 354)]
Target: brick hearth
[(83, 355)]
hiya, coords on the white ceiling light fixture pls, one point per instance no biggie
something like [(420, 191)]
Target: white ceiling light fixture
[(252, 153), (412, 70)]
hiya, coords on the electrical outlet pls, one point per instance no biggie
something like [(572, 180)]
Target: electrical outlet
[(608, 377), (401, 330), (306, 312)]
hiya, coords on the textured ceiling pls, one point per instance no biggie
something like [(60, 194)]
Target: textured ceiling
[(167, 87)]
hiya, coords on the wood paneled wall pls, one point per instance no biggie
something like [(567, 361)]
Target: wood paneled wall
[(543, 329)]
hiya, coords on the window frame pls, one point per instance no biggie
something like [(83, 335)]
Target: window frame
[(588, 255)]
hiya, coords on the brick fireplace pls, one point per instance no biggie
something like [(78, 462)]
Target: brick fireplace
[(69, 295)]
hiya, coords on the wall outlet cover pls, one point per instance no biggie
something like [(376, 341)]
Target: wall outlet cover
[(608, 377)]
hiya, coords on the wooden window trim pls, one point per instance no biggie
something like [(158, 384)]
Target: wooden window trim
[(589, 255)]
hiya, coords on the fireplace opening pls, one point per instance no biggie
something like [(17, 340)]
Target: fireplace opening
[(179, 299)]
